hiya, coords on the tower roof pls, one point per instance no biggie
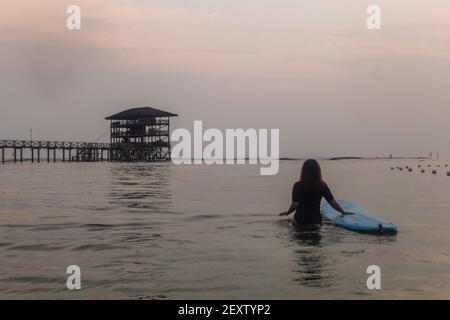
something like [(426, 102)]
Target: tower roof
[(140, 113)]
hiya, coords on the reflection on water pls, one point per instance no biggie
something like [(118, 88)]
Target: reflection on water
[(140, 186), (313, 265)]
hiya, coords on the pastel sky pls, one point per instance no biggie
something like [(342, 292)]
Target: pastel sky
[(309, 68)]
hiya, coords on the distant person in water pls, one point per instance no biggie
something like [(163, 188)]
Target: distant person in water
[(307, 194)]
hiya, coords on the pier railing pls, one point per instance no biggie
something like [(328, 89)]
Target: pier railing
[(77, 151), (140, 122), (51, 144)]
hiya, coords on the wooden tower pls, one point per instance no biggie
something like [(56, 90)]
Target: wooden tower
[(140, 134)]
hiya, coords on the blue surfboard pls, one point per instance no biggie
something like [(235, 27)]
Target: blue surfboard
[(360, 221)]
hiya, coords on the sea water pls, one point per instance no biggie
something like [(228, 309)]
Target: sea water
[(162, 231)]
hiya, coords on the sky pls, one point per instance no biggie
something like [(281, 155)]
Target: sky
[(309, 68)]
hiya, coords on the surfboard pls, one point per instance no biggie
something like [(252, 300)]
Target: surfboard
[(360, 221)]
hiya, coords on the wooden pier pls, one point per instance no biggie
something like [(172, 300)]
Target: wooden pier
[(69, 151), (136, 135)]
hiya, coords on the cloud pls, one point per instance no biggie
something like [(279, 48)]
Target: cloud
[(163, 39), (213, 15)]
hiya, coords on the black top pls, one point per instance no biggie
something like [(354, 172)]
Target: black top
[(308, 211), (140, 113)]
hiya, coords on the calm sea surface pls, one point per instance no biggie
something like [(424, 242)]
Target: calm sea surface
[(160, 231)]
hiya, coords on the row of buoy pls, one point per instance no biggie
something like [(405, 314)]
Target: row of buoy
[(429, 166), (433, 171), (438, 166)]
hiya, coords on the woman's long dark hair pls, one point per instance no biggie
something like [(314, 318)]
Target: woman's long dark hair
[(311, 174)]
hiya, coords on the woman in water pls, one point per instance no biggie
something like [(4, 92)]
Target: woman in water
[(307, 194)]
